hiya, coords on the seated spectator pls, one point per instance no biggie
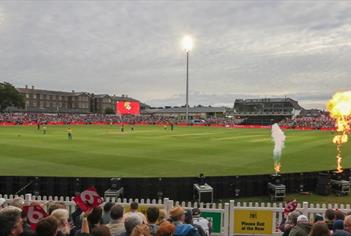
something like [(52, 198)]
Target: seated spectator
[(329, 217), (101, 230), (347, 223), (134, 210), (11, 223), (165, 229), (141, 230), (94, 218), (320, 229), (302, 228), (189, 220), (17, 202), (318, 217), (62, 216), (162, 216), (106, 213), (178, 218), (116, 224), (152, 215), (198, 220), (339, 215), (338, 225), (27, 229), (130, 222), (290, 222), (55, 205), (47, 227), (75, 216)]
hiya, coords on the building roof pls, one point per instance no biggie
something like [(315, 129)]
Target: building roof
[(50, 92), (191, 110), (101, 95), (293, 102)]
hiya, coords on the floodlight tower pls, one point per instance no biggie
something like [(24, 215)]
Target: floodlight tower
[(187, 46)]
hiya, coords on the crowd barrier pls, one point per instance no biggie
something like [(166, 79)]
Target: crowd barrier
[(228, 219), (164, 123)]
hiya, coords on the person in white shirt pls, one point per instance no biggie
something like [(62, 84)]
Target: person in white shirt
[(198, 220)]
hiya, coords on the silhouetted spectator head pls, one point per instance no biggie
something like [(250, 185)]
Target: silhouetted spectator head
[(47, 227), (101, 230), (152, 214), (11, 223), (108, 206), (134, 206), (329, 214), (131, 221), (117, 212), (94, 217), (320, 229)]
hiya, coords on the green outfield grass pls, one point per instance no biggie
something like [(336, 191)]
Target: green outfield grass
[(152, 151)]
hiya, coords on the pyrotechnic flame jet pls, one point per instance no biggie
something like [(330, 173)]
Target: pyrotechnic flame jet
[(340, 109), (278, 139)]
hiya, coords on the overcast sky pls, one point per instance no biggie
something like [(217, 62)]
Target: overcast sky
[(299, 49)]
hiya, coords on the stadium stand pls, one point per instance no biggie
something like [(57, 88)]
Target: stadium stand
[(265, 111), (323, 121)]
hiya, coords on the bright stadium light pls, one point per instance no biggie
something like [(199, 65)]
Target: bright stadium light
[(187, 46), (187, 43)]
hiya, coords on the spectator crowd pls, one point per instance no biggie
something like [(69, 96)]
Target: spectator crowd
[(333, 223), (313, 122), (109, 220), (323, 121), (113, 220), (68, 118)]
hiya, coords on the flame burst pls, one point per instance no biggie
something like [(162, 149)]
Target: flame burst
[(277, 166), (340, 109)]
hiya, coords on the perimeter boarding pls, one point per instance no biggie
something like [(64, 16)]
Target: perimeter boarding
[(233, 218)]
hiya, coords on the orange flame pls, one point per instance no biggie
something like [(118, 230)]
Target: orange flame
[(340, 109), (277, 167)]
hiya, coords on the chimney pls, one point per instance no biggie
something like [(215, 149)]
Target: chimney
[(26, 86), (73, 91), (32, 87)]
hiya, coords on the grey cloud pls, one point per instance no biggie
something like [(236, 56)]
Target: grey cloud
[(242, 48)]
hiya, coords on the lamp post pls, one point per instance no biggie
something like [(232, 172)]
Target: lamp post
[(187, 46)]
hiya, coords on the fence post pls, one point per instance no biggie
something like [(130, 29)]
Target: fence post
[(169, 206), (28, 199), (231, 217), (305, 208), (226, 219)]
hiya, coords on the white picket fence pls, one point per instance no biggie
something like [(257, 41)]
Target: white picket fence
[(226, 210)]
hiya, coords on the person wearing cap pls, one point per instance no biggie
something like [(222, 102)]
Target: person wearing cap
[(178, 218), (203, 222), (189, 220), (302, 228), (338, 229)]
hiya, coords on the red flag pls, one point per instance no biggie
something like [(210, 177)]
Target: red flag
[(34, 214), (88, 199), (290, 207), (125, 108)]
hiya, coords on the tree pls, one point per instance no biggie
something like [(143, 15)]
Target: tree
[(109, 110), (9, 96)]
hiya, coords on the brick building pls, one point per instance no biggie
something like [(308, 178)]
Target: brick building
[(39, 100)]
